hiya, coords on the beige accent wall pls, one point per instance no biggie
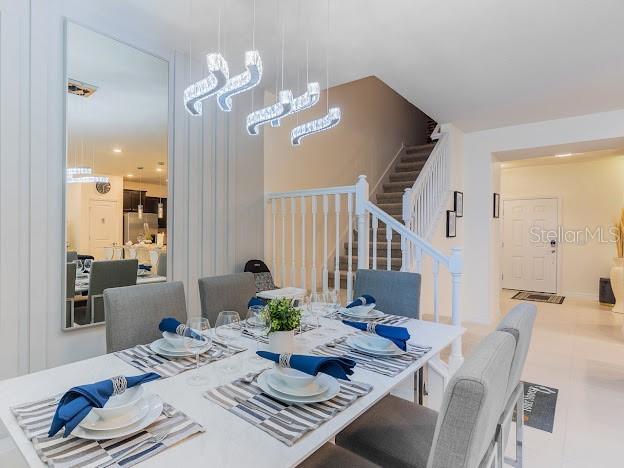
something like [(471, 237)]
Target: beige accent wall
[(376, 121), (591, 193)]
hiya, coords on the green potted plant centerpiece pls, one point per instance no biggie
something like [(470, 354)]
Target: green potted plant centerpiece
[(284, 319)]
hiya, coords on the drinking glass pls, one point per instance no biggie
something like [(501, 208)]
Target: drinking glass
[(316, 307), (333, 304), (197, 340), (79, 265), (257, 325), (87, 264), (227, 329)]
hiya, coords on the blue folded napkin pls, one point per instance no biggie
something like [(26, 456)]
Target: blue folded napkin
[(337, 367), (142, 266), (172, 325), (362, 300), (78, 401), (256, 301), (398, 335)]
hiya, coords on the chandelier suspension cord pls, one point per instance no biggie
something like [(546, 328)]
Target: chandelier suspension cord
[(253, 47), (283, 33), (277, 16), (327, 61)]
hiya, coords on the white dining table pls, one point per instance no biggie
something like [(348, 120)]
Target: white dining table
[(228, 441), (82, 282)]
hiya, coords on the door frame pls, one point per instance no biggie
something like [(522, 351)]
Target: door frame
[(559, 223)]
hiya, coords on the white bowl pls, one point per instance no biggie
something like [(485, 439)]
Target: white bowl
[(361, 311), (118, 405), (294, 378)]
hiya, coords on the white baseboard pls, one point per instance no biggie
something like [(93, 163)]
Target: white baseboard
[(580, 295)]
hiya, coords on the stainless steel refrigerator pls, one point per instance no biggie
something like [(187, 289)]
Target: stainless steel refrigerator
[(133, 227)]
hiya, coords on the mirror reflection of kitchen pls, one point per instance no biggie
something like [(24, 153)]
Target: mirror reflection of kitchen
[(117, 178)]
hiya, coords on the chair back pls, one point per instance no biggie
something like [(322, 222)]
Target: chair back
[(395, 292), (472, 403), (161, 270), (134, 312), (108, 274), (70, 279), (262, 275), (72, 256), (519, 323), (229, 292)]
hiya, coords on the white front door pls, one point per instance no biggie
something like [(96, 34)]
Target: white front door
[(530, 245), (104, 226)]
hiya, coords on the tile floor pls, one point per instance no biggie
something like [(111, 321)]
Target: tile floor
[(577, 347)]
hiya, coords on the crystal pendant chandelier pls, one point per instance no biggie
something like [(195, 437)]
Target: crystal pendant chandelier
[(140, 205), (276, 111), (241, 82), (303, 102), (161, 207), (218, 75), (315, 126)]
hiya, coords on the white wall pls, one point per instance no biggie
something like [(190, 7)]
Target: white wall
[(481, 231), (153, 190), (215, 177), (591, 194)]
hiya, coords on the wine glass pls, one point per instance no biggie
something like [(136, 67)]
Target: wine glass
[(79, 265), (197, 340), (333, 304), (257, 325), (87, 264), (316, 306), (227, 329)]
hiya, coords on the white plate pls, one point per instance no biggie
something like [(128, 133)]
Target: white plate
[(161, 347), (353, 343), (174, 341), (142, 272), (118, 405), (279, 385), (283, 293), (155, 409), (333, 388), (373, 314), (133, 415)]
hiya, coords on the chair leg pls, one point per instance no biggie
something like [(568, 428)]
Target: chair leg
[(517, 463), (421, 385), (500, 450)]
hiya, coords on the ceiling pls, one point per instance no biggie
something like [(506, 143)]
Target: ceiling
[(127, 113), (547, 159), (479, 64)]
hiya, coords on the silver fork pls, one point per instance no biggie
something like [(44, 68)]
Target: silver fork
[(155, 439)]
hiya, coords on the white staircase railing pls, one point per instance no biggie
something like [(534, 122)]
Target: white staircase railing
[(349, 202), (428, 197)]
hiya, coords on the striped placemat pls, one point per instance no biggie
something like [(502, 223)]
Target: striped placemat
[(145, 359), (265, 339), (387, 319), (35, 419), (287, 423), (389, 366)]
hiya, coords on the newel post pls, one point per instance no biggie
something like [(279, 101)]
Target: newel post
[(361, 198), (456, 267)]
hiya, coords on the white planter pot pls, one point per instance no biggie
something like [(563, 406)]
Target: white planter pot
[(617, 284), (282, 341)]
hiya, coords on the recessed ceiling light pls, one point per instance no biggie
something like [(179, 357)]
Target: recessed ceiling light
[(563, 155), (116, 150), (130, 175), (159, 169)]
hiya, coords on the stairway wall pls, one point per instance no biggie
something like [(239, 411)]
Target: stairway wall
[(375, 122)]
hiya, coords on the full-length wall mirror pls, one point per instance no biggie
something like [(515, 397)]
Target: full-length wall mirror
[(116, 171)]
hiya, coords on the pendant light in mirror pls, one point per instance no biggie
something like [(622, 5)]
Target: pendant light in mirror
[(161, 207), (140, 206)]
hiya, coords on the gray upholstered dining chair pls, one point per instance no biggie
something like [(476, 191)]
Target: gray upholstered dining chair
[(72, 256), (398, 433), (161, 269), (519, 323), (104, 275), (331, 455), (134, 312), (70, 293), (395, 292), (229, 292)]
